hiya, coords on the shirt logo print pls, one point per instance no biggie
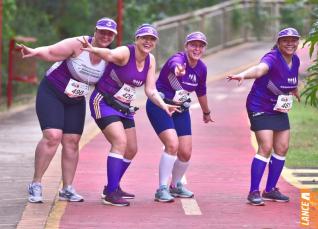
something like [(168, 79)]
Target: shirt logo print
[(193, 78), (292, 80), (137, 83)]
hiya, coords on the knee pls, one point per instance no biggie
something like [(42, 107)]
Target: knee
[(265, 150), (120, 144), (281, 149), (171, 147), (52, 139)]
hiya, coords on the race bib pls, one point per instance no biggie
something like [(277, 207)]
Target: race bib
[(180, 96), (284, 103), (76, 89), (126, 94)]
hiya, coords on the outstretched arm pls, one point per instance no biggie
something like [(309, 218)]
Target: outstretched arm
[(119, 55), (254, 72), (56, 52)]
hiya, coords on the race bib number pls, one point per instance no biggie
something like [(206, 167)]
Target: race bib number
[(180, 96), (126, 94), (284, 103), (76, 89)]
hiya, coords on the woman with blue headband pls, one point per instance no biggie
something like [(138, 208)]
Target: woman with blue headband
[(129, 67), (268, 103)]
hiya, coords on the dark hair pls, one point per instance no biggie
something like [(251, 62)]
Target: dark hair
[(274, 47)]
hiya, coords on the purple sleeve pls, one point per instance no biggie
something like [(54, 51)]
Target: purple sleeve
[(269, 59), (201, 89), (174, 60)]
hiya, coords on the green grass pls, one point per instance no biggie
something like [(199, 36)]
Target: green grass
[(303, 149)]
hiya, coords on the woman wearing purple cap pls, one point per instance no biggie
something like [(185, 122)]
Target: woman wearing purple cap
[(183, 73), (60, 103), (270, 99), (129, 67)]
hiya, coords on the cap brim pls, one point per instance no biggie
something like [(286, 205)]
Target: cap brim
[(205, 42), (105, 28), (147, 34), (288, 36)]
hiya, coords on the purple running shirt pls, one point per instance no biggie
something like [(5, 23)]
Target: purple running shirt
[(280, 80), (113, 79), (193, 80)]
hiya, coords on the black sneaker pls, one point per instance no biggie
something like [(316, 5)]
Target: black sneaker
[(124, 195), (275, 195), (254, 198), (115, 199)]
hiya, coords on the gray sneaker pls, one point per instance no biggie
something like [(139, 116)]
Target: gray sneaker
[(254, 198), (181, 191), (35, 193), (275, 195), (163, 194), (69, 194)]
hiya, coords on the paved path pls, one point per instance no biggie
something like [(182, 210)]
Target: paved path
[(211, 163)]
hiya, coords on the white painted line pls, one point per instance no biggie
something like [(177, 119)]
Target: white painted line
[(195, 106), (220, 97), (240, 89), (190, 207)]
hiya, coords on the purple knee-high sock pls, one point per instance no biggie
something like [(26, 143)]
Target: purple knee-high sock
[(275, 167), (257, 170), (125, 165), (114, 170)]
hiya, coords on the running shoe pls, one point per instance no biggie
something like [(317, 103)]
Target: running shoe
[(275, 195), (124, 195), (35, 193), (115, 199), (69, 194), (254, 198), (163, 194), (180, 191)]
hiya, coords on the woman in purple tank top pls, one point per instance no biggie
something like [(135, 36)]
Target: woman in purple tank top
[(271, 96), (129, 67), (60, 103)]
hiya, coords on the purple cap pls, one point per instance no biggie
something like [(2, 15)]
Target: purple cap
[(146, 29), (107, 24), (196, 36), (288, 32)]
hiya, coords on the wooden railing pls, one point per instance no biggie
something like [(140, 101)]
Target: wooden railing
[(226, 24)]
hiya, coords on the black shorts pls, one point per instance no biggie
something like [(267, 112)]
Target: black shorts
[(263, 121), (103, 122), (56, 110)]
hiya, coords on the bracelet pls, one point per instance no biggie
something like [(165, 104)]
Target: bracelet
[(207, 113)]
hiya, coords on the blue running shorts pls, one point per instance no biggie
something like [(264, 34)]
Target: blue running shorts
[(161, 121)]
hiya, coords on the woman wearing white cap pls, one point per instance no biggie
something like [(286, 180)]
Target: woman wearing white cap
[(129, 67), (183, 73), (270, 99), (60, 103)]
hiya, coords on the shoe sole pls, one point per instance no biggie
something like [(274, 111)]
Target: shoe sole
[(36, 202), (274, 200), (65, 199), (117, 205), (256, 204), (181, 196), (164, 201), (124, 197)]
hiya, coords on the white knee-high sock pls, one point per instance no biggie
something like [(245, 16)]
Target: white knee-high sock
[(178, 171), (165, 168)]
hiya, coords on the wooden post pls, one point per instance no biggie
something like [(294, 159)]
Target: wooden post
[(120, 9)]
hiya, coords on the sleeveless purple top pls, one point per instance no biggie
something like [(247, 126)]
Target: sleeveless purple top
[(115, 76)]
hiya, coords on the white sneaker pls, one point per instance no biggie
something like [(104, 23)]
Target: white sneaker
[(35, 193), (69, 194)]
